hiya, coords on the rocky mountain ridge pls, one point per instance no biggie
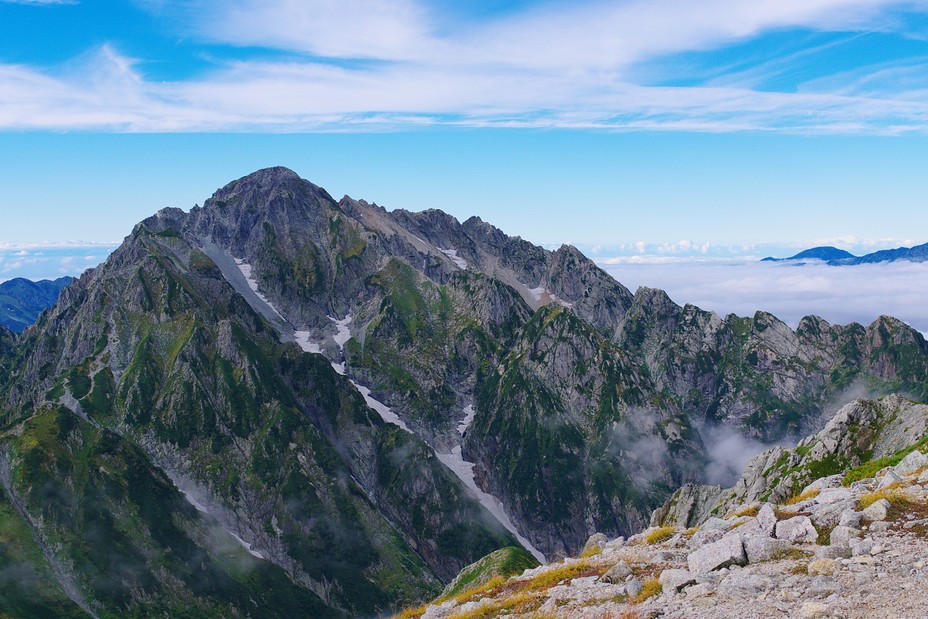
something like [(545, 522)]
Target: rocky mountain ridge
[(366, 401)]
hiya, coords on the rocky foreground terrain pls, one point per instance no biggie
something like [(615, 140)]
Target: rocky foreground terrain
[(849, 545)]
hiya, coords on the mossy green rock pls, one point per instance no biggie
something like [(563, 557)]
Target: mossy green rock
[(504, 562)]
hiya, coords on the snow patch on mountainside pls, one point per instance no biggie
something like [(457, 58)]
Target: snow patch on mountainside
[(343, 333), (545, 296), (465, 472), (302, 338), (469, 413), (453, 255), (246, 546), (246, 270), (189, 489), (382, 409)]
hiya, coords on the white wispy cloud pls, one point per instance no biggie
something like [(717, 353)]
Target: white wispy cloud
[(555, 65), (50, 259), (22, 249), (374, 29)]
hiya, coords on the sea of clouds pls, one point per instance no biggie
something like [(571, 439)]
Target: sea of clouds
[(839, 294)]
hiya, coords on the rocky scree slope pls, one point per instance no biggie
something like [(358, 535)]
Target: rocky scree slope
[(848, 545)]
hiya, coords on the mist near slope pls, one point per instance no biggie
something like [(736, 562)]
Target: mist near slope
[(840, 295), (728, 452)]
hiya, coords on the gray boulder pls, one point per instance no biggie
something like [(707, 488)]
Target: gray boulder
[(727, 551), (744, 585), (767, 519), (715, 524), (841, 536), (860, 547), (617, 573), (877, 511), (596, 541), (829, 515), (850, 518), (911, 463), (833, 495), (633, 587), (833, 552), (673, 581), (759, 549), (703, 537), (798, 529)]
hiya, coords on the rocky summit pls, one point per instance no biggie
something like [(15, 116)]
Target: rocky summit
[(849, 545), (280, 404)]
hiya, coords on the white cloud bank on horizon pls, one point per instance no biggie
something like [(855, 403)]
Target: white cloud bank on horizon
[(643, 252), (840, 295), (557, 65), (37, 261)]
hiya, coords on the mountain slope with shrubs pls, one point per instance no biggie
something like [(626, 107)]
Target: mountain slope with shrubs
[(853, 544)]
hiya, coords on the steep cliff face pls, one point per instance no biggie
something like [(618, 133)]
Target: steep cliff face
[(759, 374), (574, 434)]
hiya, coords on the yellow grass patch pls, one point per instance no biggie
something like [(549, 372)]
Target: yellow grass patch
[(411, 613), (750, 510), (649, 589), (519, 603), (890, 493), (659, 535), (805, 496), (548, 579), (592, 551), (476, 592)]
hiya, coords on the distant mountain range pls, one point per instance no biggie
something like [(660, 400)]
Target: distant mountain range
[(839, 257), (22, 300)]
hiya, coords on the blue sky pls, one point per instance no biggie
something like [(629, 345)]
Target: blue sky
[(660, 127)]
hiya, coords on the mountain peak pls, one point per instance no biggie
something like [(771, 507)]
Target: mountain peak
[(277, 173), (825, 253), (266, 182)]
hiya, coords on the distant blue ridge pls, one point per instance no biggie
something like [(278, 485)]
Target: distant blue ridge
[(22, 300), (839, 257)]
